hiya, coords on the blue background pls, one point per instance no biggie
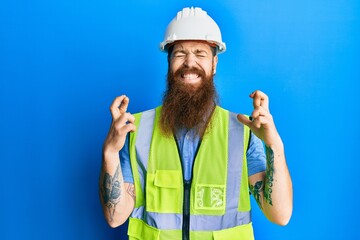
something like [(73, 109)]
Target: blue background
[(63, 62)]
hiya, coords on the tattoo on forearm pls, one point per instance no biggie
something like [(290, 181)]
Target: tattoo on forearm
[(131, 190), (111, 191), (256, 191), (269, 175)]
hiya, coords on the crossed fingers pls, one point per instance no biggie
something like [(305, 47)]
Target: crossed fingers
[(260, 99), (121, 118), (119, 106), (260, 115)]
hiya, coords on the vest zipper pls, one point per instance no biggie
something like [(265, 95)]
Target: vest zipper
[(186, 211), (186, 202)]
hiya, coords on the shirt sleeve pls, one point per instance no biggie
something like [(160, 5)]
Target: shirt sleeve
[(256, 159), (125, 162)]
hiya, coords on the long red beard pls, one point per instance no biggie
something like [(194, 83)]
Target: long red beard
[(185, 106)]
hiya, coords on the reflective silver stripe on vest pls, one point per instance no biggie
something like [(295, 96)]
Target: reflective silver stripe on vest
[(235, 162), (162, 221), (142, 144), (168, 221)]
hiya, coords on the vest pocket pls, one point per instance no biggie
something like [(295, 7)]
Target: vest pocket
[(139, 230), (240, 232), (163, 191)]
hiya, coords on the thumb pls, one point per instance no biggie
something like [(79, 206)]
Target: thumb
[(244, 119)]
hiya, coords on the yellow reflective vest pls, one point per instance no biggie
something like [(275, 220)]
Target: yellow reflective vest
[(214, 205)]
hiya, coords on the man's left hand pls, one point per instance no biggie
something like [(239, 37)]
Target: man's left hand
[(262, 123)]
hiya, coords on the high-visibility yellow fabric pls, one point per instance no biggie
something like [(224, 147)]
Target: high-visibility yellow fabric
[(164, 181)]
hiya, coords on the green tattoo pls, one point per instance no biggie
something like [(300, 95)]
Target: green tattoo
[(269, 175), (256, 191)]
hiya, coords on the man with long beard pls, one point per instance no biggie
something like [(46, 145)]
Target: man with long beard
[(192, 162)]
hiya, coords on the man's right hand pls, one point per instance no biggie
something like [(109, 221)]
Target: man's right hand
[(122, 123)]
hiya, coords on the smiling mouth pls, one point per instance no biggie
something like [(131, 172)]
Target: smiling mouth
[(189, 76)]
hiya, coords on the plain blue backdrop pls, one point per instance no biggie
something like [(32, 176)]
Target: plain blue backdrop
[(63, 62)]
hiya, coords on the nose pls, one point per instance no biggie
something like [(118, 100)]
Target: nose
[(190, 60)]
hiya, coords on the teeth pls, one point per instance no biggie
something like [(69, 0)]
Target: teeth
[(190, 76)]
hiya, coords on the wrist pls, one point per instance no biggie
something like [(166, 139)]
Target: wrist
[(276, 146), (109, 149), (110, 156)]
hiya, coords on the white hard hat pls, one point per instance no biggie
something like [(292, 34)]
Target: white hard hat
[(193, 24)]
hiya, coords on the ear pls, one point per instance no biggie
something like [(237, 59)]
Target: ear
[(215, 61)]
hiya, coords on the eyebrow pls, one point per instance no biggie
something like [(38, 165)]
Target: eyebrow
[(179, 51), (200, 51), (197, 51)]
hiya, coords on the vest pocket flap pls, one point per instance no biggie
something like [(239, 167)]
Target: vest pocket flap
[(167, 178), (139, 230)]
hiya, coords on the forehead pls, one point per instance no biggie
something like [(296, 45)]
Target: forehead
[(192, 45)]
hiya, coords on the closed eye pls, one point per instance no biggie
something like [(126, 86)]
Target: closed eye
[(201, 53), (179, 54)]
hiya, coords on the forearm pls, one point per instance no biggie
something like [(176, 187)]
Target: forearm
[(115, 195), (277, 194), (272, 189)]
